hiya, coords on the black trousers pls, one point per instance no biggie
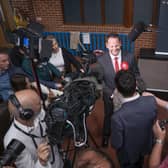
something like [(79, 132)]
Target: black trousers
[(138, 164), (108, 111), (126, 162)]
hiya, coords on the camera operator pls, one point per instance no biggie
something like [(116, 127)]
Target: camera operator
[(30, 129), (17, 55), (46, 72)]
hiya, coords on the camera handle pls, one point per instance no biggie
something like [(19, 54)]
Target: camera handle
[(79, 143), (30, 53)]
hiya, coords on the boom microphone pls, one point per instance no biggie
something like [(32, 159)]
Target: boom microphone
[(136, 31)]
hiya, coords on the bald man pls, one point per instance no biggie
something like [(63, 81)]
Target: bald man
[(30, 129)]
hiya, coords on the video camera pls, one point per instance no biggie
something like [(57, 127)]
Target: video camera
[(9, 156), (30, 39), (66, 115)]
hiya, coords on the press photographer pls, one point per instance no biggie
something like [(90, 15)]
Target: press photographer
[(46, 72), (29, 128)]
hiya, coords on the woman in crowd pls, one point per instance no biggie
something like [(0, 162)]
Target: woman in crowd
[(62, 59)]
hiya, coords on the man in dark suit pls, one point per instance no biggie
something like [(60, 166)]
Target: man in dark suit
[(132, 124), (111, 62), (6, 71)]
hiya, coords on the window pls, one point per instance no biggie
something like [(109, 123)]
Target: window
[(114, 10), (72, 11), (101, 12), (143, 11)]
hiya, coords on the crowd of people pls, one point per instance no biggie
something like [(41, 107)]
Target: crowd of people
[(130, 128)]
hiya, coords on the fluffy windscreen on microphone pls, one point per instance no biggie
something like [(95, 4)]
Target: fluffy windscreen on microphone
[(67, 112)]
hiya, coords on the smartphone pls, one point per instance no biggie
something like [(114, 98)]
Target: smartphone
[(26, 42), (162, 123)]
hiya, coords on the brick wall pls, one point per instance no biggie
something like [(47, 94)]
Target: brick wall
[(50, 11), (25, 6)]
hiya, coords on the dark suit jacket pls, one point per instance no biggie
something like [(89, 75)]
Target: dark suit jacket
[(4, 123), (132, 128), (109, 72), (69, 60)]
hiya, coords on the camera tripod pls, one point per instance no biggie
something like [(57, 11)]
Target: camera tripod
[(69, 162), (77, 146)]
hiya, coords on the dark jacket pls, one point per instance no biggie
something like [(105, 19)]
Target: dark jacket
[(4, 123), (5, 86), (109, 72), (46, 73), (131, 125), (70, 60)]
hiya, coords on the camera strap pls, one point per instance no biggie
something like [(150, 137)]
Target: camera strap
[(35, 136), (32, 135)]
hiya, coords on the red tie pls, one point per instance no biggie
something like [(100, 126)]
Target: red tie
[(116, 64)]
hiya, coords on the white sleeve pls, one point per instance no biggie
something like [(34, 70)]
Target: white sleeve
[(25, 160)]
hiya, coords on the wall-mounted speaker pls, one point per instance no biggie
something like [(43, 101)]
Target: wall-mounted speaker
[(163, 21), (162, 35)]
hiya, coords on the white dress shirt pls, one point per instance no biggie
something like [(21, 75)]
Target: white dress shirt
[(57, 60), (28, 158), (118, 99), (119, 60), (132, 98)]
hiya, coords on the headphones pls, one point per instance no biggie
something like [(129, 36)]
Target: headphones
[(25, 114)]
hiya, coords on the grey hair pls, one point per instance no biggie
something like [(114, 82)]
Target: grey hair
[(52, 38)]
